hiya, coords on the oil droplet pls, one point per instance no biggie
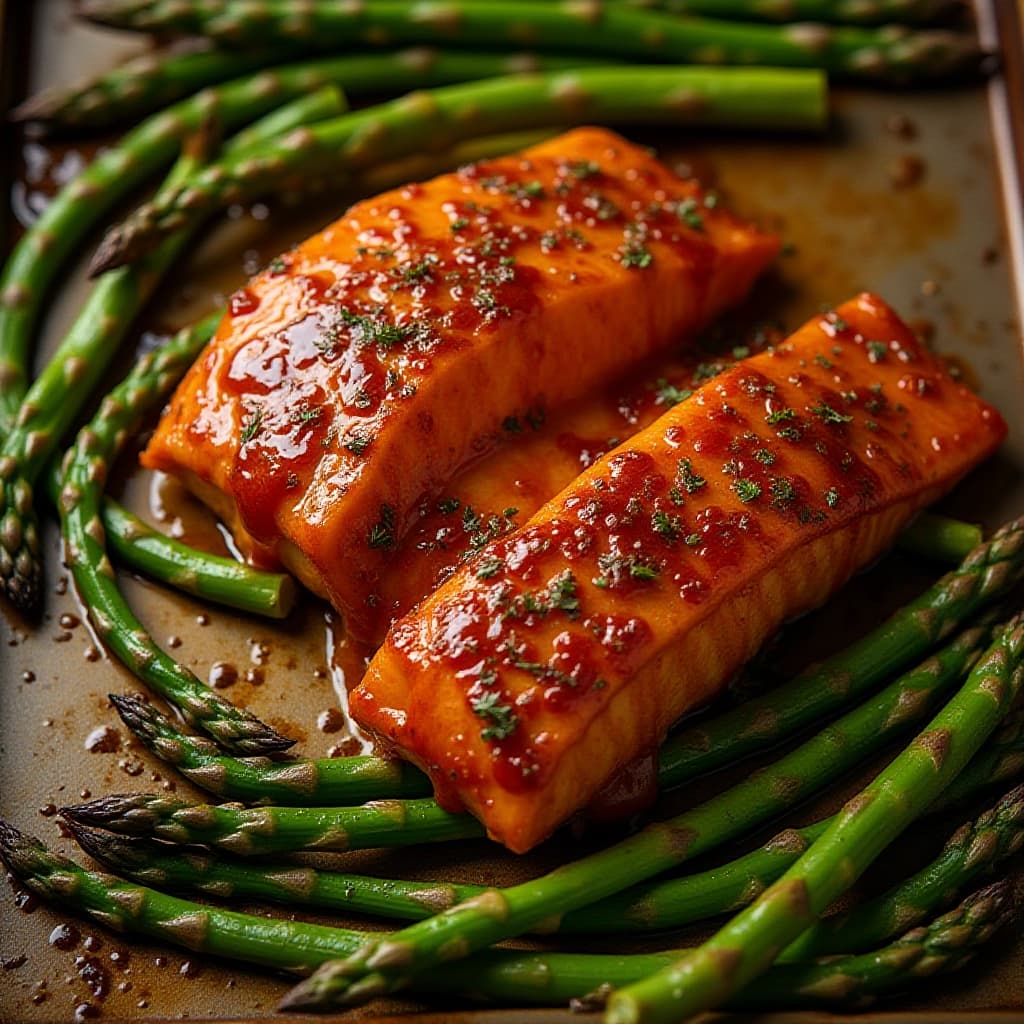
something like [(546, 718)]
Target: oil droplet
[(222, 675), (254, 676), (330, 720), (69, 621), (28, 676), (86, 1011), (174, 641), (91, 654), (189, 969), (48, 810), (103, 740), (64, 936)]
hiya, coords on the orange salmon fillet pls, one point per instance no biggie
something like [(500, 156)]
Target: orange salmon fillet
[(361, 371), (567, 648)]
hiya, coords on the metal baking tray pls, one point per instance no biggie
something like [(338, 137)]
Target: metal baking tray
[(916, 195)]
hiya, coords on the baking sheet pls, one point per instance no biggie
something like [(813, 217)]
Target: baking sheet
[(902, 196)]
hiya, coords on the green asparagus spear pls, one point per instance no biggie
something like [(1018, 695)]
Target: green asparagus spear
[(442, 117), (260, 830), (988, 572), (974, 849), (324, 782), (386, 963), (747, 946), (613, 30), (134, 910), (86, 469), (59, 231), (839, 12), (940, 537), (56, 397), (1001, 761), (299, 947), (550, 979), (139, 87)]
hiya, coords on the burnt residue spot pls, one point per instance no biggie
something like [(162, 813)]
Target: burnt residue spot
[(95, 974), (222, 675), (330, 720)]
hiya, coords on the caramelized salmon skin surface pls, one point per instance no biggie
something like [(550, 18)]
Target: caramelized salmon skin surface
[(566, 649), (359, 372)]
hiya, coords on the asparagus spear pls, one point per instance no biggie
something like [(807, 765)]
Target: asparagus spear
[(143, 86), (59, 231), (987, 572), (442, 117), (299, 947), (841, 12), (85, 471), (132, 909), (747, 945), (324, 782), (939, 537), (944, 945), (261, 830), (613, 30), (653, 906), (139, 87), (55, 398), (975, 848)]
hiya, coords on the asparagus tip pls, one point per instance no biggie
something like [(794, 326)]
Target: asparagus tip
[(108, 849), (40, 107), (112, 252), (123, 808)]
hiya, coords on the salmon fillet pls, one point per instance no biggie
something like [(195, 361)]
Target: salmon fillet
[(361, 371), (566, 649), (533, 461)]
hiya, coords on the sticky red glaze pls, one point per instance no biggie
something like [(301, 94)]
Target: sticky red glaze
[(354, 377), (795, 451)]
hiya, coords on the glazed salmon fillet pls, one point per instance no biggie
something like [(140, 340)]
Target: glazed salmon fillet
[(566, 649), (359, 372)]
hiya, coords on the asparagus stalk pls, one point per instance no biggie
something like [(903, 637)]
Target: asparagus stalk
[(386, 963), (975, 848), (143, 86), (86, 468), (613, 30), (324, 782), (115, 173), (839, 12), (442, 117), (946, 944), (134, 910), (747, 945), (1001, 761), (657, 905), (262, 830), (56, 397), (989, 571), (139, 87), (941, 538), (299, 947)]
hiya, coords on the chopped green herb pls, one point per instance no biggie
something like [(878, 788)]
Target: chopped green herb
[(782, 492), (643, 571), (780, 416), (764, 456), (459, 224), (374, 330), (446, 506), (688, 478), (583, 169), (691, 540), (831, 497), (669, 394), (686, 211), (512, 425), (278, 265), (790, 433), (877, 351), (382, 533), (829, 415), (252, 426), (666, 526), (635, 256), (489, 567), (746, 490), (824, 361), (502, 718), (740, 351), (356, 443), (705, 371)]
